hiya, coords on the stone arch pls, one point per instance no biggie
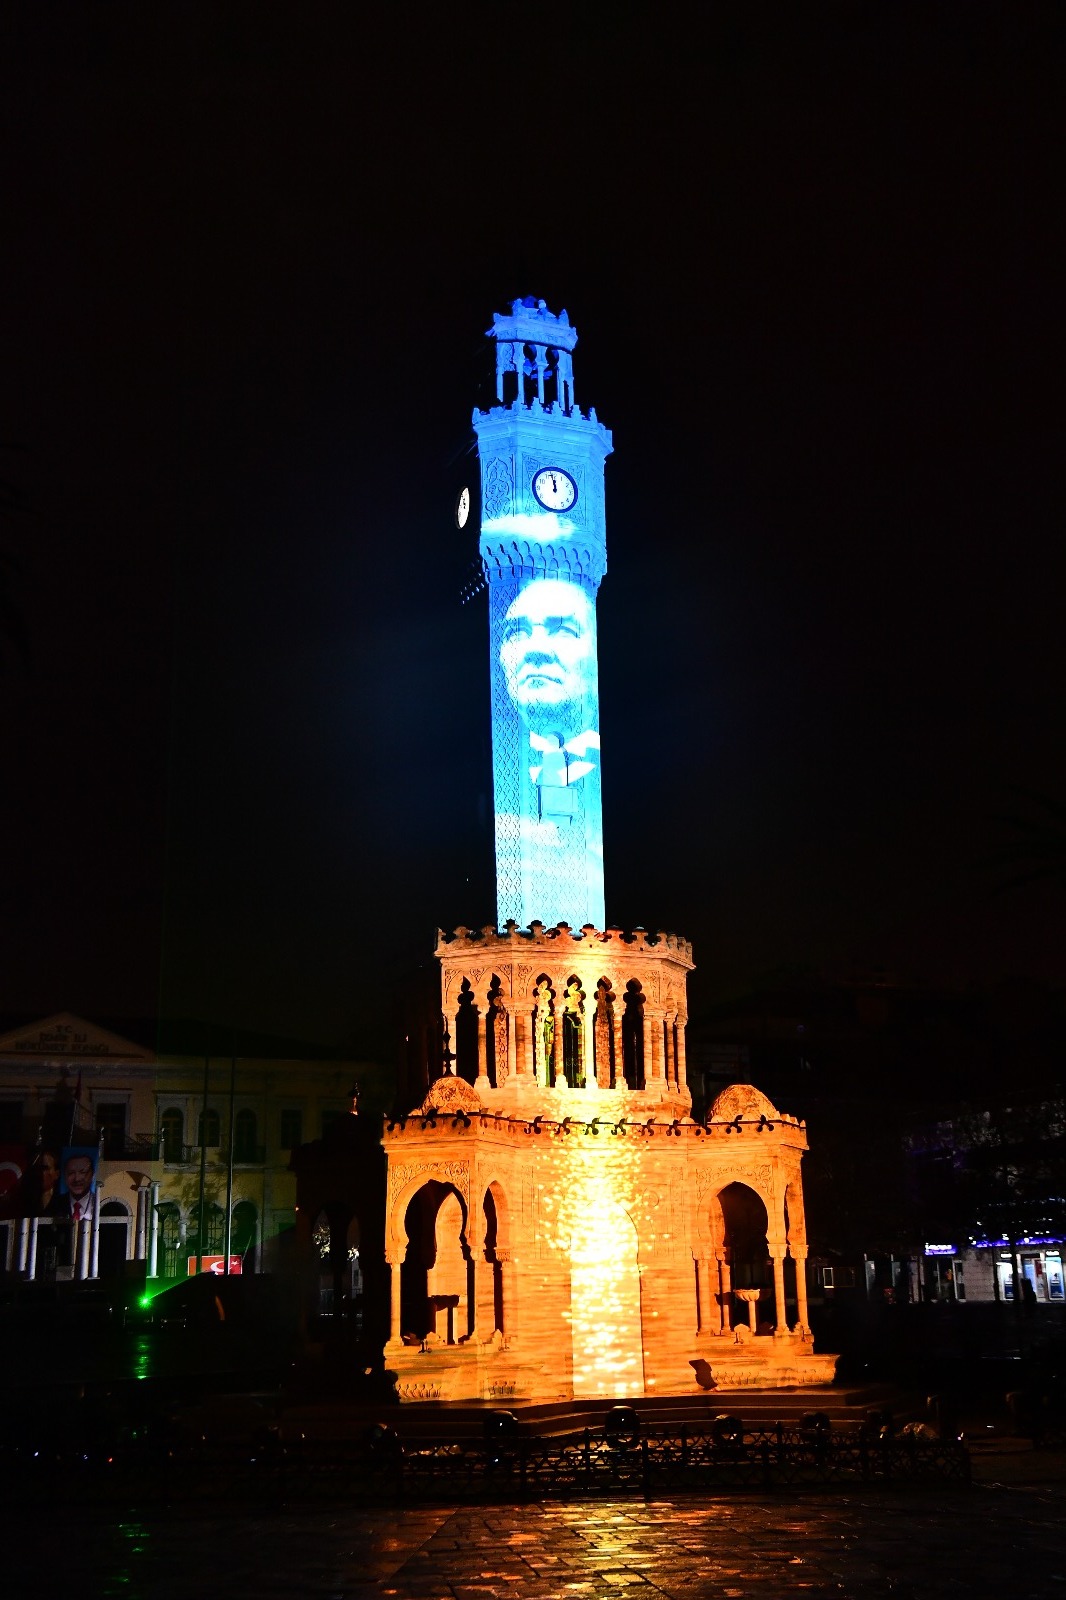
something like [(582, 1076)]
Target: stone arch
[(494, 1251), (437, 1289), (741, 1224)]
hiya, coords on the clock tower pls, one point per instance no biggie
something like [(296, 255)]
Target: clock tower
[(543, 552)]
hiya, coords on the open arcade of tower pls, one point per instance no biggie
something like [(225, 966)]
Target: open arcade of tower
[(557, 1223)]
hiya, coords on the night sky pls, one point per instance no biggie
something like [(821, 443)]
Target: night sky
[(815, 259)]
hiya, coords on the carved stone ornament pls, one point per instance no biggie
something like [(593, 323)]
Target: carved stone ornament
[(451, 1094), (456, 1173)]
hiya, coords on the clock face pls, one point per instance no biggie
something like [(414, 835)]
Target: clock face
[(462, 508), (555, 489)]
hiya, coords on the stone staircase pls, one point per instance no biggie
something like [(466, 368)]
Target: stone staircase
[(465, 1422)]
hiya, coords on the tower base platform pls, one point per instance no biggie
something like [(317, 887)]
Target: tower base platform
[(502, 1373)]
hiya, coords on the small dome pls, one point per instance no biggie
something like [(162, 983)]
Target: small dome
[(742, 1100)]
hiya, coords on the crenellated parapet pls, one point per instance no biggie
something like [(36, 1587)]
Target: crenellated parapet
[(552, 1009)]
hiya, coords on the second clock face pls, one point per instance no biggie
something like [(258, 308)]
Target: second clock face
[(462, 508), (554, 489)]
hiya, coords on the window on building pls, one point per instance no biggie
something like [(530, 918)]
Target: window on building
[(207, 1128), (214, 1231), (172, 1134), (292, 1128), (171, 1245), (111, 1125), (244, 1136)]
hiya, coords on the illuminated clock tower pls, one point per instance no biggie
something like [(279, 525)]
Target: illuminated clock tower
[(557, 1224), (543, 552)]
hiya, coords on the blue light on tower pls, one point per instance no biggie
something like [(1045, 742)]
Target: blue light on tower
[(543, 552)]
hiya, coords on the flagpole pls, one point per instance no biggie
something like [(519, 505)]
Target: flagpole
[(229, 1171), (203, 1162)]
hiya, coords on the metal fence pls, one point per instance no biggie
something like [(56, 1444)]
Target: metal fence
[(161, 1466)]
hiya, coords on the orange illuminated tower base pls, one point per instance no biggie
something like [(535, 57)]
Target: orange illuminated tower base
[(557, 1224)]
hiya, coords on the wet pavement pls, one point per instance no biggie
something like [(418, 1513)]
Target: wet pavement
[(996, 1538)]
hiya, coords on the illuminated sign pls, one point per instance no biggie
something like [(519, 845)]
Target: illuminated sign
[(940, 1250), (543, 552)]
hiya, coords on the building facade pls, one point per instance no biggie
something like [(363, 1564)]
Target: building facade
[(189, 1157)]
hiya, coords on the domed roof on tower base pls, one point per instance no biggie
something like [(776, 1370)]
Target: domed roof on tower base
[(742, 1100)]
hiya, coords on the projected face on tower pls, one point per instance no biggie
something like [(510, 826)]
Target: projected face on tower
[(548, 656)]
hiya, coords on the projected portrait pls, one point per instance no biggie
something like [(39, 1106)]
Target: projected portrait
[(549, 831), (548, 657)]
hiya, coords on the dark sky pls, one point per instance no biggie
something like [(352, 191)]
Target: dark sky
[(815, 258)]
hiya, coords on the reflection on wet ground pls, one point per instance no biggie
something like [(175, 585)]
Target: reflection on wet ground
[(887, 1545)]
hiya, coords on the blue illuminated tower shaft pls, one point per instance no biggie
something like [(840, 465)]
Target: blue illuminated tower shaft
[(543, 551)]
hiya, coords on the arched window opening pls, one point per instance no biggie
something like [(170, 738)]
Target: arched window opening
[(747, 1254), (496, 1047), (466, 1027), (210, 1239), (437, 1288), (172, 1250), (172, 1135), (543, 1026), (633, 1036), (207, 1128), (573, 1057), (551, 377), (245, 1130)]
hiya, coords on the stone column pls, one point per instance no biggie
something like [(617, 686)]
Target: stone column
[(94, 1238), (618, 1075), (799, 1256), (703, 1292), (679, 1062), (153, 1231), (654, 1025), (484, 1023), (778, 1259), (558, 1074), (512, 1044), (585, 1046), (394, 1305), (725, 1297), (521, 1035), (668, 1059), (510, 1295), (84, 1247)]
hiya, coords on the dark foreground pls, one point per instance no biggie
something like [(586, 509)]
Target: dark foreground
[(991, 1539)]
